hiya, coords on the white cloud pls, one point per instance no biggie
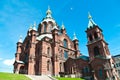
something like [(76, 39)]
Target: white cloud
[(9, 62)]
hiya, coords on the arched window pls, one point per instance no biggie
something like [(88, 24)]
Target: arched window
[(50, 26), (95, 35), (60, 67), (45, 27), (90, 37), (65, 43), (100, 72), (48, 65), (48, 51), (96, 51), (41, 27), (65, 54)]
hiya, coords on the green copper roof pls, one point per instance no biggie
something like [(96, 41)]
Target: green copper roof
[(84, 57), (91, 23)]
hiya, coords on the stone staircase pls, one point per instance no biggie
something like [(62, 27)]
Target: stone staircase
[(42, 77)]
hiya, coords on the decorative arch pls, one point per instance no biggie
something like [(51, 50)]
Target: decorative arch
[(96, 51), (65, 43), (95, 35), (50, 22)]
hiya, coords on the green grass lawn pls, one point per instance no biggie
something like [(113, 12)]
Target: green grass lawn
[(62, 78), (11, 76)]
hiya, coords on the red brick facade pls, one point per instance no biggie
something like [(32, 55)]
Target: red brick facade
[(50, 51)]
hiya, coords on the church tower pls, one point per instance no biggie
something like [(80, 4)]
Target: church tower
[(100, 59), (97, 46)]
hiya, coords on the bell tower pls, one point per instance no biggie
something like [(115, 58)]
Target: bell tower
[(97, 46), (102, 64)]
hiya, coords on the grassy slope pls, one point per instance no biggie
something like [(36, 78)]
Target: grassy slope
[(10, 76), (62, 78)]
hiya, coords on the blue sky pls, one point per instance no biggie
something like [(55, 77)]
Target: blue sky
[(17, 15)]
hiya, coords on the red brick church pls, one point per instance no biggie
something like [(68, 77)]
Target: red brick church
[(48, 50)]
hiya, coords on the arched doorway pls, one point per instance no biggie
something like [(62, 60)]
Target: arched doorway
[(21, 71)]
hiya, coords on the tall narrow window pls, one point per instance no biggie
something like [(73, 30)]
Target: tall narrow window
[(65, 54), (90, 37), (41, 28), (100, 73), (48, 65), (95, 35), (50, 26), (48, 51), (26, 58), (45, 27), (60, 67), (65, 43), (96, 51)]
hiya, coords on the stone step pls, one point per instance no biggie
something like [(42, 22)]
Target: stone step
[(42, 77)]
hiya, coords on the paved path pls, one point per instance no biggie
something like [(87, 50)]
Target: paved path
[(43, 77)]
